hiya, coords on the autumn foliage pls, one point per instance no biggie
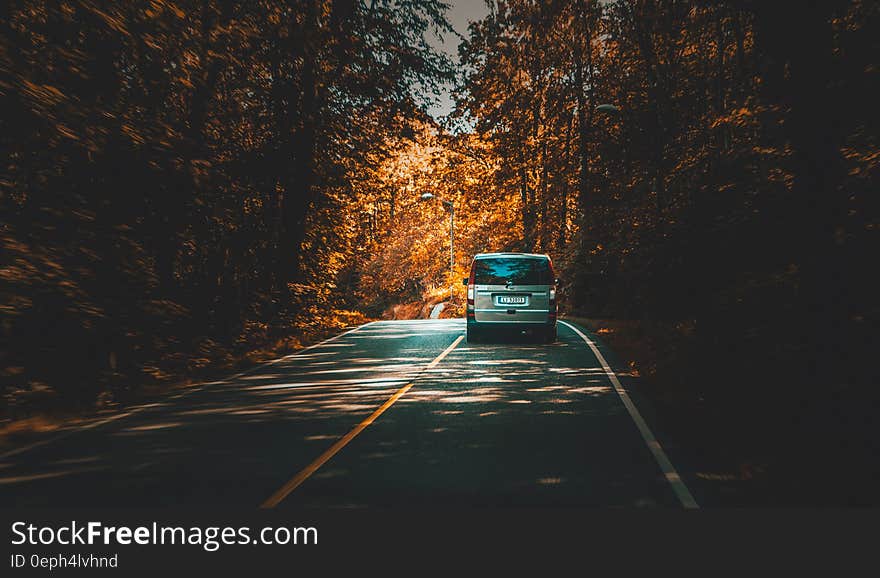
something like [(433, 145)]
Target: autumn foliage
[(179, 179), (186, 178)]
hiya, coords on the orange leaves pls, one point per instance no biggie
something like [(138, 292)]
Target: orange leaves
[(740, 118), (157, 7), (45, 94), (114, 22), (151, 41), (66, 132), (133, 134), (863, 161), (43, 99)]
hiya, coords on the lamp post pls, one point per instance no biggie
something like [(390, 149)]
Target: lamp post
[(607, 108), (610, 110), (428, 197)]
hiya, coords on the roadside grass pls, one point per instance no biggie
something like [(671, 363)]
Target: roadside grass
[(659, 361), (752, 424)]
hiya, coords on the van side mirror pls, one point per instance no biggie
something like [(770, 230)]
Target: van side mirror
[(465, 281)]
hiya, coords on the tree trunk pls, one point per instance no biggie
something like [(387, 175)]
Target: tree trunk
[(298, 187)]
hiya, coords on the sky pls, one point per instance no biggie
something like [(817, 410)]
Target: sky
[(460, 13)]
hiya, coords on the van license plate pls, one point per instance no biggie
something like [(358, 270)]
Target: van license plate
[(512, 299)]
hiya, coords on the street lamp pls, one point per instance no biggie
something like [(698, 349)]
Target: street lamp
[(430, 196), (607, 108)]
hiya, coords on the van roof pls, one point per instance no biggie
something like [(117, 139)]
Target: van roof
[(510, 254)]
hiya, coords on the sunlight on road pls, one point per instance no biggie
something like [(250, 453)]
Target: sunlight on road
[(301, 404)]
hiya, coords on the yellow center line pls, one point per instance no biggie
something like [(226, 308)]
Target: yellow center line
[(310, 469)]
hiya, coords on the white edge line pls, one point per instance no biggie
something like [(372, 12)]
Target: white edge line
[(188, 391), (669, 471)]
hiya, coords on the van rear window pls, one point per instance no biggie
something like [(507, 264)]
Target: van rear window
[(517, 270)]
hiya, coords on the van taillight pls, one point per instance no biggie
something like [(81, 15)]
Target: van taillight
[(470, 287)]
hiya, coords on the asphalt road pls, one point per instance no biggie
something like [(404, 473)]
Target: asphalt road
[(509, 423)]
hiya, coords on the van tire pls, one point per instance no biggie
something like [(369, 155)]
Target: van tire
[(550, 335), (473, 335)]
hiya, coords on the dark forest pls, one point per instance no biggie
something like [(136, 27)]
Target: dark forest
[(191, 187)]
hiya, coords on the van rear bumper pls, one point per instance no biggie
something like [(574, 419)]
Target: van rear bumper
[(516, 326), (512, 316)]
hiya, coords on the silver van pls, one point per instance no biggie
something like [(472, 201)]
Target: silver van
[(511, 292)]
